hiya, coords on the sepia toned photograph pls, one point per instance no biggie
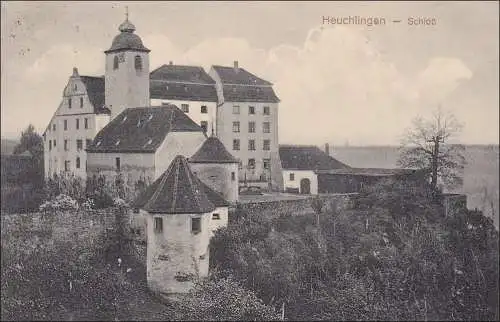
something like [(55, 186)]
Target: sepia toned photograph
[(250, 161)]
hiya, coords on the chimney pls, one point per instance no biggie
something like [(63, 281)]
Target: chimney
[(327, 148), (170, 63), (236, 68), (75, 72)]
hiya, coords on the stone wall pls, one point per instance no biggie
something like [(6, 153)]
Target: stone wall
[(297, 206)]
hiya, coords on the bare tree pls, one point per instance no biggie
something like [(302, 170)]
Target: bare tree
[(426, 146)]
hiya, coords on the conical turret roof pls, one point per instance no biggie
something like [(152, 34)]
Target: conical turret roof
[(176, 191), (212, 151)]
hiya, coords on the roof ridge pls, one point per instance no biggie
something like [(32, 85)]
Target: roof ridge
[(176, 182)]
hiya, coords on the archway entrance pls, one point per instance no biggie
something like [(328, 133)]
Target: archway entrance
[(305, 186)]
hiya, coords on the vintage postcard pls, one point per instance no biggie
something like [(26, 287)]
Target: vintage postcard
[(248, 160)]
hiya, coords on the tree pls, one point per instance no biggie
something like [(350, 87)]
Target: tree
[(32, 142), (426, 146)]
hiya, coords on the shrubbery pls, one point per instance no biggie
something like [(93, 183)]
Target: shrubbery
[(394, 258)]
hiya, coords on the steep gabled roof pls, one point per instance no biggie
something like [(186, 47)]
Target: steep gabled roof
[(232, 75), (142, 129), (176, 191), (212, 151), (95, 91), (302, 157), (182, 83), (239, 93)]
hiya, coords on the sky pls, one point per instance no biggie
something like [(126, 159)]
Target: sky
[(338, 83)]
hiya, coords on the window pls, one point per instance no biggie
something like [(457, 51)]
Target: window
[(138, 63), (66, 145), (236, 144), (240, 165), (158, 225), (266, 110), (86, 123), (236, 127), (251, 145), (50, 145), (251, 163), (233, 176), (54, 127), (88, 142), (77, 124), (185, 108), (54, 143), (65, 125), (267, 163), (195, 225), (267, 145), (251, 110), (204, 109), (115, 62), (236, 109), (78, 162), (66, 165), (215, 216), (69, 102), (79, 144), (251, 127), (266, 127), (81, 102), (292, 176), (117, 161), (204, 126), (75, 87)]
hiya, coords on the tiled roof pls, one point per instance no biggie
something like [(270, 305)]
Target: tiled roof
[(95, 91), (300, 157), (232, 75), (182, 83), (142, 129), (212, 151), (181, 73), (240, 93), (182, 91), (176, 191), (369, 171)]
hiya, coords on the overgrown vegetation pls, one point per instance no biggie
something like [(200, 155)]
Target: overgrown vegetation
[(394, 258)]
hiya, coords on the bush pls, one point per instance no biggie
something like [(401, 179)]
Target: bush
[(60, 203)]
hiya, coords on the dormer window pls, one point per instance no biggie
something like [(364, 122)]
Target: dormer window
[(138, 63), (115, 63)]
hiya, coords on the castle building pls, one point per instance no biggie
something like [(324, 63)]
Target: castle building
[(126, 71), (247, 124), (188, 87), (240, 108), (181, 214), (141, 142), (80, 115), (217, 168)]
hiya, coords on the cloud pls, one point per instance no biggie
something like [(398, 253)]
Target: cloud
[(336, 86)]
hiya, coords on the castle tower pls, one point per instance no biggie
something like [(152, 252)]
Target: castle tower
[(126, 71), (217, 168), (179, 210)]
